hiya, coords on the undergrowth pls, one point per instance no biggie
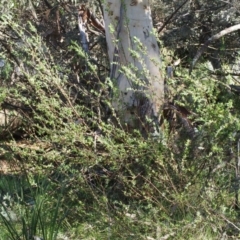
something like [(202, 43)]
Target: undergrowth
[(79, 176)]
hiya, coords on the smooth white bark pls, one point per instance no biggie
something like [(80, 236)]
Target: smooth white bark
[(135, 58)]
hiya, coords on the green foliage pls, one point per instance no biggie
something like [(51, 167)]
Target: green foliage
[(30, 210), (79, 176)]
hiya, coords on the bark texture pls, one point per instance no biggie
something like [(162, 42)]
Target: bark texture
[(135, 60)]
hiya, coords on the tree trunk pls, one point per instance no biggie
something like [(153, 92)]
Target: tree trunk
[(135, 62)]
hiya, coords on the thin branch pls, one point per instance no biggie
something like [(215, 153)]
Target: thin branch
[(32, 9), (211, 39), (8, 48), (171, 16), (101, 7), (48, 4), (95, 22), (223, 73)]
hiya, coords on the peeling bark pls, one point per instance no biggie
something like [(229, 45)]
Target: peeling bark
[(82, 26)]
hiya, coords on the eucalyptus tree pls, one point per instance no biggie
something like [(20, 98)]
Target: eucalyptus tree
[(135, 62)]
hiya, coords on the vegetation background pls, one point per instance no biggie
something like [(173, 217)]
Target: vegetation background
[(69, 172)]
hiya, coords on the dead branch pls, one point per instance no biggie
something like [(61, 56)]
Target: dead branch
[(211, 39), (171, 16)]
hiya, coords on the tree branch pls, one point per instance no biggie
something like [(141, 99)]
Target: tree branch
[(8, 48), (211, 39), (48, 4), (171, 16)]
